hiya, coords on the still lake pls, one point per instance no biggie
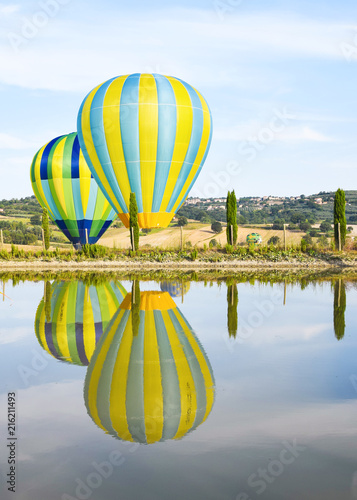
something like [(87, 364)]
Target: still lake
[(172, 390)]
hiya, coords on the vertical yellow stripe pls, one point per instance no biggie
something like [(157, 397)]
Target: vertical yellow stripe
[(84, 182), (88, 325), (88, 141), (119, 384), (37, 169), (57, 175), (41, 328), (185, 379), (148, 135), (111, 120), (112, 304), (153, 397), (97, 371), (184, 122), (201, 151), (209, 384), (61, 327)]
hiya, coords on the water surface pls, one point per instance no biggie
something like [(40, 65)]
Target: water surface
[(196, 391)]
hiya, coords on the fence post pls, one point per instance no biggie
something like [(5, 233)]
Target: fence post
[(86, 235), (339, 237), (2, 239), (43, 239), (181, 231), (285, 237), (132, 239), (232, 234)]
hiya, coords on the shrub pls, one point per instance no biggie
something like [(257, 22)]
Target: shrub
[(216, 227), (274, 240), (213, 243)]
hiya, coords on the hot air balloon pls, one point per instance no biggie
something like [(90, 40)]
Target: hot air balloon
[(148, 134), (175, 288), (62, 183), (71, 318), (150, 383)]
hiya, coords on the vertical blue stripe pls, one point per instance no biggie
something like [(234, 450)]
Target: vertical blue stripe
[(100, 143), (93, 294), (129, 126), (44, 159), (92, 200), (170, 383), (195, 141), (199, 169), (75, 159), (49, 198), (77, 198), (166, 137), (106, 377)]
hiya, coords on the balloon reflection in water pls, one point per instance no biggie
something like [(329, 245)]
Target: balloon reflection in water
[(175, 288), (149, 381), (72, 317)]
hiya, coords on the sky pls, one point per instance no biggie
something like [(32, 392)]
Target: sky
[(279, 77)]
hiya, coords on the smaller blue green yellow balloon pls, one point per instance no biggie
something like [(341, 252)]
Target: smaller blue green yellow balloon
[(63, 184)]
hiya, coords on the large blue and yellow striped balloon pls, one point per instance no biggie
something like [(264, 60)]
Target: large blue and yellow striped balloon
[(148, 134), (152, 383), (71, 323), (62, 183)]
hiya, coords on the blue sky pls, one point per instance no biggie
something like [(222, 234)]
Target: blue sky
[(279, 76)]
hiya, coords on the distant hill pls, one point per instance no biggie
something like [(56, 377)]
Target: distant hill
[(251, 210), (268, 209)]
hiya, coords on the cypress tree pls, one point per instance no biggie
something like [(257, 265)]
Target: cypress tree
[(231, 206), (232, 310), (48, 301), (339, 308), (135, 307), (133, 222), (339, 216), (46, 228)]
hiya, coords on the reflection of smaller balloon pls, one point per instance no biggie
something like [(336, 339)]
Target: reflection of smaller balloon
[(72, 317), (175, 288), (150, 383), (63, 184)]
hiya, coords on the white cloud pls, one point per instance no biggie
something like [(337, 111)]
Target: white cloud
[(302, 134), (186, 42), (8, 9)]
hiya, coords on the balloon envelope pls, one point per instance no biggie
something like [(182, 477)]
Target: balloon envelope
[(150, 383), (62, 183), (148, 134), (175, 288), (71, 323)]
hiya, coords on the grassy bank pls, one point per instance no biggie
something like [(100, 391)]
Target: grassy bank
[(229, 257)]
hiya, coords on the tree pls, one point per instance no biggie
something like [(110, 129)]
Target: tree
[(182, 221), (339, 217), (339, 308), (274, 240), (304, 226), (314, 233), (216, 227), (133, 222), (279, 224), (232, 227), (36, 220), (135, 307), (325, 226), (46, 228), (232, 310)]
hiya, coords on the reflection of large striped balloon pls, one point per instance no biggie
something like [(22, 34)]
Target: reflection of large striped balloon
[(175, 288), (148, 134), (79, 314), (152, 384), (62, 183)]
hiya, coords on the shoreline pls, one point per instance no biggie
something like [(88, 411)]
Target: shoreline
[(185, 266)]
